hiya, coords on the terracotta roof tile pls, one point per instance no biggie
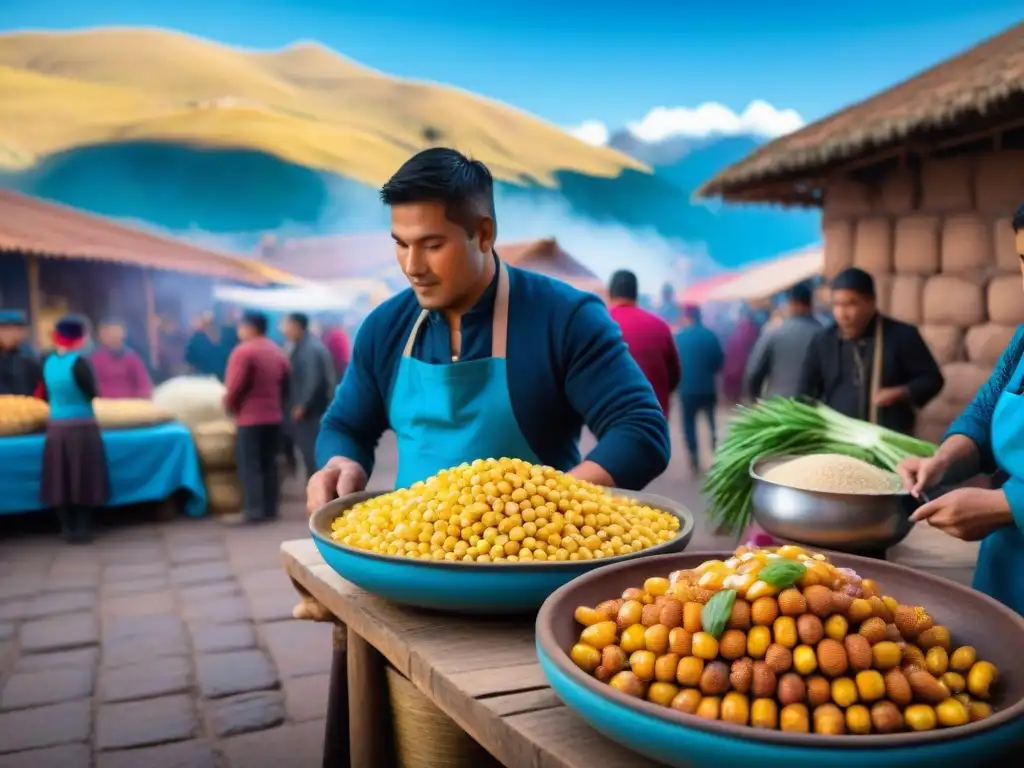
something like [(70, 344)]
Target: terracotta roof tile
[(31, 225)]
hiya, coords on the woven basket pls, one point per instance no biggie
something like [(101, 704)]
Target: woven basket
[(128, 413), (425, 737), (20, 415), (215, 444), (223, 492)]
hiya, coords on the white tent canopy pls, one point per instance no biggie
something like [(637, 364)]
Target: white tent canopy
[(314, 297), (769, 278)]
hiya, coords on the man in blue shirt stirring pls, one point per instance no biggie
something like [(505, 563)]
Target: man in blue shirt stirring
[(478, 359)]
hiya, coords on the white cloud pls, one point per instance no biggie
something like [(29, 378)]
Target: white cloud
[(710, 119), (592, 132)]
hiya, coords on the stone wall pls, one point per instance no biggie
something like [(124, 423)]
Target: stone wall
[(937, 238)]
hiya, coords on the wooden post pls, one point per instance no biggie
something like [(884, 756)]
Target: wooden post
[(336, 741), (368, 725), (152, 326), (35, 300)]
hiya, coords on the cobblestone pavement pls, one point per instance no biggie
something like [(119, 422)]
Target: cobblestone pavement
[(171, 644)]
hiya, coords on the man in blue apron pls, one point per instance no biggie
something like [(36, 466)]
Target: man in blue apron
[(988, 434), (478, 359)]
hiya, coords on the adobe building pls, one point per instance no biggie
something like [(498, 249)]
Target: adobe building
[(917, 185)]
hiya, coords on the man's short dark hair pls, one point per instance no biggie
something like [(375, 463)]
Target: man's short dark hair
[(623, 285), (801, 294), (441, 175), (257, 321), (856, 280), (1018, 219), (301, 319)]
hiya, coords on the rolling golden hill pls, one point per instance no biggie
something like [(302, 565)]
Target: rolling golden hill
[(304, 104)]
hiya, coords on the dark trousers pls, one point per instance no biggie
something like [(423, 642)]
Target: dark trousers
[(256, 449), (692, 407), (304, 432)]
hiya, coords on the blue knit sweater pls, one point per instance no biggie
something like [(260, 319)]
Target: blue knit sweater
[(568, 366)]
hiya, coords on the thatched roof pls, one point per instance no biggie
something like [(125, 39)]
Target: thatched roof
[(978, 90)]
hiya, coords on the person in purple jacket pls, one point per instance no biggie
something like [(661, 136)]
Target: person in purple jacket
[(120, 371)]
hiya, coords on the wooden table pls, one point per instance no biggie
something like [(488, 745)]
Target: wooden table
[(482, 673)]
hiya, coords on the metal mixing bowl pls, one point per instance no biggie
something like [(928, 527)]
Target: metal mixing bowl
[(843, 522)]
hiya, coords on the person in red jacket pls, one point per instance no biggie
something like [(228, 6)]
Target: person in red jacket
[(648, 336), (257, 387)]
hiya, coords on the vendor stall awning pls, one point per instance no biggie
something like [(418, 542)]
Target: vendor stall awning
[(764, 280), (34, 226), (697, 293)]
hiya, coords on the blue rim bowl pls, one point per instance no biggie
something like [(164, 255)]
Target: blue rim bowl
[(686, 741), (468, 588)]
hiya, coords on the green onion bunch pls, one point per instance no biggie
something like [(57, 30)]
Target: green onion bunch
[(783, 426)]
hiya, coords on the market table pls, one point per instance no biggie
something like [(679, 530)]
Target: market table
[(145, 464), (482, 673)]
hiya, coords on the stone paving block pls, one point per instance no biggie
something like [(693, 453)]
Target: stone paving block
[(245, 713), (197, 553), (132, 639), (58, 633), (206, 592), (13, 609), (224, 674), (298, 647), (215, 638), (71, 581), (66, 756), (132, 587), (220, 610), (273, 605), (132, 555), (46, 686), (6, 630), (305, 698), (145, 723), (134, 571), (291, 745), (48, 726), (201, 573), (181, 754), (12, 587), (158, 677), (82, 657), (142, 604), (55, 603)]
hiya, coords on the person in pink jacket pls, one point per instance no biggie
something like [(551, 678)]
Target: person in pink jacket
[(120, 371)]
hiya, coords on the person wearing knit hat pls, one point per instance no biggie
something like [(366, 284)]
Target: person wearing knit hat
[(75, 480), (869, 366), (19, 367)]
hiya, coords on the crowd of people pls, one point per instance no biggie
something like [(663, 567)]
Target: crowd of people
[(276, 393)]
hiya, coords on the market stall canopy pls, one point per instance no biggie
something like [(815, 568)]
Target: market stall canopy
[(764, 280), (372, 255), (332, 296), (697, 293), (33, 226), (958, 100)]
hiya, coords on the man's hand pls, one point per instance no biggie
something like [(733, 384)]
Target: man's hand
[(969, 514), (339, 477), (298, 412), (890, 396), (919, 474)]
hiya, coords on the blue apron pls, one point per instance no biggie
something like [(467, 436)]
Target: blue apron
[(1000, 570), (445, 415)]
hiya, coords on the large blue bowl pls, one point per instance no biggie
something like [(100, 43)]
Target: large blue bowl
[(467, 588), (686, 741)]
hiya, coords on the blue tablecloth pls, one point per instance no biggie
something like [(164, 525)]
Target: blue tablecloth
[(145, 464)]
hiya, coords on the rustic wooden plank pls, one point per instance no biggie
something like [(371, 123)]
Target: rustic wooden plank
[(565, 741), (522, 702), (499, 680), (337, 751), (303, 551)]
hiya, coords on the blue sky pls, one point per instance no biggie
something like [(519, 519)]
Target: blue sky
[(569, 61)]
